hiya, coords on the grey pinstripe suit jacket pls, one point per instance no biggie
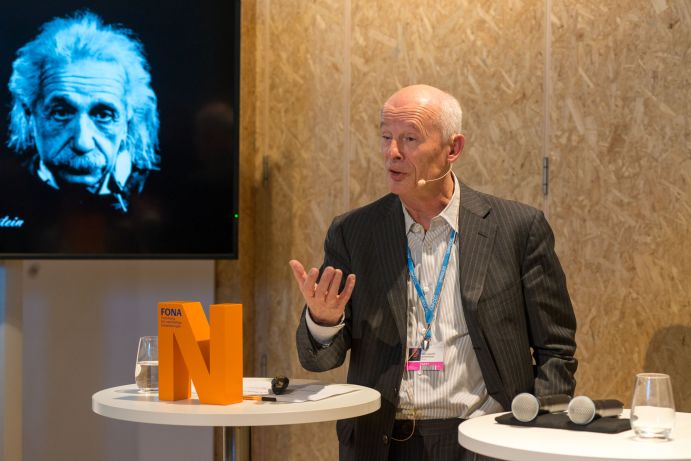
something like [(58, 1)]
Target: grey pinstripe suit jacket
[(515, 302)]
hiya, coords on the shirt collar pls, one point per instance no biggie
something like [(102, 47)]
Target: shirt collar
[(448, 214), (45, 175)]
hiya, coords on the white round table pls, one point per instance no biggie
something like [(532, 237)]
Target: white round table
[(485, 436), (126, 403)]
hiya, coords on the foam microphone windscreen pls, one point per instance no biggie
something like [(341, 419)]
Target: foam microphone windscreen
[(583, 410), (525, 407)]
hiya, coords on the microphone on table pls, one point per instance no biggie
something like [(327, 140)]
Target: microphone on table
[(583, 410), (422, 182), (525, 407), (279, 384)]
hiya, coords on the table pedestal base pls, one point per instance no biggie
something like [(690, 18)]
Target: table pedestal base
[(232, 443)]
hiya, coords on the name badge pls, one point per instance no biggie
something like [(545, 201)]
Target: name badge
[(431, 359)]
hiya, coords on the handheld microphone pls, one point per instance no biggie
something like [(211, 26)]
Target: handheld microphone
[(583, 410), (525, 407), (422, 182), (279, 384)]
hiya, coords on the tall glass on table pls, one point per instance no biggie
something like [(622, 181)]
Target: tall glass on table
[(146, 369), (652, 407)]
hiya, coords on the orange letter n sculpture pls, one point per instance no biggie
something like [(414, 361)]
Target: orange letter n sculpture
[(211, 355)]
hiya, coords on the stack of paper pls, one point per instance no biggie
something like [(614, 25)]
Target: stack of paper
[(298, 392)]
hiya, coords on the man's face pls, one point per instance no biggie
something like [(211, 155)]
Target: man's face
[(411, 142), (80, 121)]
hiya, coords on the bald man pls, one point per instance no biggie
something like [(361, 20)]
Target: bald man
[(460, 302)]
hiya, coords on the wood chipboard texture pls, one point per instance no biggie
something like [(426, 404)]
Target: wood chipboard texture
[(300, 125), (621, 203)]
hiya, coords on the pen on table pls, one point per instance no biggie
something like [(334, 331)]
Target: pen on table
[(261, 398)]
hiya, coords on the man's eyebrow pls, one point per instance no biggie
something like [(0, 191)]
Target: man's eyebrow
[(104, 105), (59, 99)]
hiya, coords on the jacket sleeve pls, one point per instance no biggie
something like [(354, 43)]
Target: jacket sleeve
[(314, 356), (551, 318)]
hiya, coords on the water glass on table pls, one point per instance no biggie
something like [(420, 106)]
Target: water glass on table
[(146, 370), (652, 407)]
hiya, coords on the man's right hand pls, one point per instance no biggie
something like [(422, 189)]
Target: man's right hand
[(325, 303)]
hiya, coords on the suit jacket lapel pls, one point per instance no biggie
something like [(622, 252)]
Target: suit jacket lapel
[(390, 244), (477, 238)]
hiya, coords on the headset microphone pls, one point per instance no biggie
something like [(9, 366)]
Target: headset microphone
[(422, 182)]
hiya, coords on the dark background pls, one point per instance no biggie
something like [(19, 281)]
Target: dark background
[(189, 207)]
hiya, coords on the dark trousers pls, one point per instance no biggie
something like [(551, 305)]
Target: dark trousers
[(431, 440)]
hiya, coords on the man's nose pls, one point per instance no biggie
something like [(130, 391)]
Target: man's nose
[(83, 136), (392, 150)]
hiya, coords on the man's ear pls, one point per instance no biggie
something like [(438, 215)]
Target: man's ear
[(456, 145)]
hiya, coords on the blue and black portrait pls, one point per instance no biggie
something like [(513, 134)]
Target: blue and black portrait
[(119, 129), (84, 116)]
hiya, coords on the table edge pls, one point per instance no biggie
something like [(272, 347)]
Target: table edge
[(274, 419)]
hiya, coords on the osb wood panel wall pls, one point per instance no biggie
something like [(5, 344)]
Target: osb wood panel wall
[(613, 117), (621, 203), (300, 130)]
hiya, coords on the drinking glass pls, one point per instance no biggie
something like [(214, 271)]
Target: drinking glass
[(652, 408), (146, 370)]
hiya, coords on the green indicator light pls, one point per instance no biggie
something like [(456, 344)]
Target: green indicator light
[(236, 215)]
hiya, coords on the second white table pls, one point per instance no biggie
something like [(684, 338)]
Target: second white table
[(485, 436)]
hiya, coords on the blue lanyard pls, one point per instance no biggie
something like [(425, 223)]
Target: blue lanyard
[(429, 310)]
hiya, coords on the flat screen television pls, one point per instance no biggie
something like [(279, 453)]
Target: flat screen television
[(119, 133)]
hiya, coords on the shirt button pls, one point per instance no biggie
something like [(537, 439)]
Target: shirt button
[(417, 228), (385, 439), (425, 289)]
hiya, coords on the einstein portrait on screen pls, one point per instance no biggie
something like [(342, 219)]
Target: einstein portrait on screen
[(84, 117)]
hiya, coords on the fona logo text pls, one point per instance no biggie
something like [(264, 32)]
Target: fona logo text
[(168, 312)]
